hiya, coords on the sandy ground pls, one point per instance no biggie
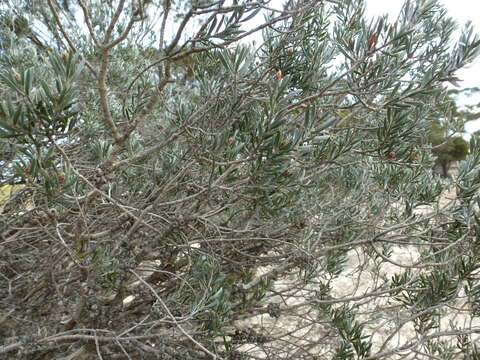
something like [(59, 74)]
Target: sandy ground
[(386, 329)]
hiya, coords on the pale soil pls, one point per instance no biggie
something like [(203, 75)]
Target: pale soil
[(300, 321)]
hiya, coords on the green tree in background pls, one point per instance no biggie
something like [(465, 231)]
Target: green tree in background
[(448, 147), (172, 191)]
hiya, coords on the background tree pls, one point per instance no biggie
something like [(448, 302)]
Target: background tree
[(447, 146), (195, 197)]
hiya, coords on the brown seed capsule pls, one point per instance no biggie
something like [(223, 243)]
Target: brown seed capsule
[(229, 141), (290, 51), (61, 177), (278, 75), (52, 214), (392, 155)]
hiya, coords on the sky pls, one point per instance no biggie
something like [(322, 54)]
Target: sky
[(461, 11)]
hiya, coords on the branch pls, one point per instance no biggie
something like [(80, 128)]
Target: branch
[(113, 21), (167, 310), (67, 38), (102, 89)]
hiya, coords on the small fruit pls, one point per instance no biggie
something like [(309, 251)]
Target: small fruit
[(290, 51), (17, 76), (278, 75), (52, 214), (392, 155), (61, 177), (229, 141)]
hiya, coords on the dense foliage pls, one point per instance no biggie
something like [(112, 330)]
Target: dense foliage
[(182, 193)]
